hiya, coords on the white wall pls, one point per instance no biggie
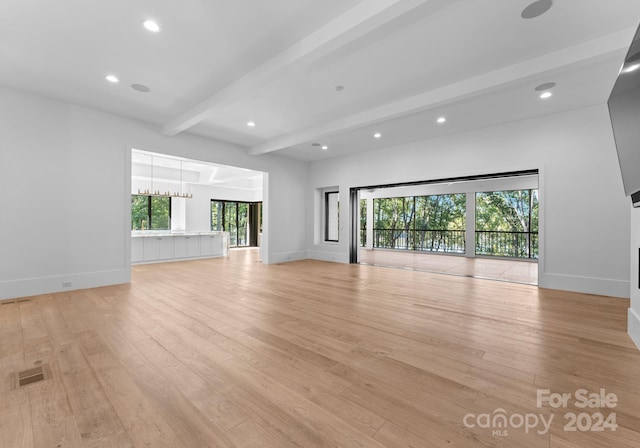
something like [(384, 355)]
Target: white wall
[(64, 193), (584, 216)]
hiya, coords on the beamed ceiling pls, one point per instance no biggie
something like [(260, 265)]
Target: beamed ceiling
[(400, 64)]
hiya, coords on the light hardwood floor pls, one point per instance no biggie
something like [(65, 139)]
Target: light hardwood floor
[(509, 270), (233, 353)]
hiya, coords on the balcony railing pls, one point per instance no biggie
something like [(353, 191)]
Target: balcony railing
[(507, 244), (449, 241), (492, 243)]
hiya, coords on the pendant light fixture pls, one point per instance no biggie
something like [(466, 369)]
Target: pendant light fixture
[(181, 193)]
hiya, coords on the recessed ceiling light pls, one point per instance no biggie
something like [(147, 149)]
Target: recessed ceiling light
[(631, 68), (325, 147), (339, 88), (140, 88), (441, 120), (151, 25), (545, 95), (377, 135), (536, 9), (112, 78), (251, 124)]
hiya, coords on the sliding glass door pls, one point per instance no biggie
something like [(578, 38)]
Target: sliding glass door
[(237, 218)]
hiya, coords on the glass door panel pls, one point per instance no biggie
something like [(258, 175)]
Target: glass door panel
[(230, 222), (243, 224)]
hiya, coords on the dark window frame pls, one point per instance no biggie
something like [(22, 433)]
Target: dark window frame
[(150, 209), (327, 194), (237, 222)]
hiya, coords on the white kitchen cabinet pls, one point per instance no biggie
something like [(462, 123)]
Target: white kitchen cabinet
[(137, 250), (165, 248), (155, 247), (193, 246), (180, 246), (151, 246), (207, 245)]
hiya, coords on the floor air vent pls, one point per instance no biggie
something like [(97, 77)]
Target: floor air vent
[(26, 377)]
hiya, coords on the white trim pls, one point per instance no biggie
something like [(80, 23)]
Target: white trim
[(12, 289), (334, 257), (542, 203), (634, 327), (283, 257), (588, 285), (127, 206)]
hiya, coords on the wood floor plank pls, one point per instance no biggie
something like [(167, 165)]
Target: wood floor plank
[(332, 430), (206, 393), (95, 417), (142, 421), (233, 353), (250, 434), (190, 425), (16, 424)]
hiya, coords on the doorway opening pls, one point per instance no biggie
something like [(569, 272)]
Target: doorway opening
[(243, 221), (482, 226), (172, 208)]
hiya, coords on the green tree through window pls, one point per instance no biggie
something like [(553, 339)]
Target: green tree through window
[(150, 212), (507, 223), (432, 223), (237, 219)]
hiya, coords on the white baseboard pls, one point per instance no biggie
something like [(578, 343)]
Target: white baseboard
[(12, 289), (587, 285), (633, 327), (328, 256), (283, 257)]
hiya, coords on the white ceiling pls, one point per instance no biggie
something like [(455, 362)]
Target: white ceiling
[(218, 64)]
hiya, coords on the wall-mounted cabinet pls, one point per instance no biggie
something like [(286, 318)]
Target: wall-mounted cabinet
[(151, 247)]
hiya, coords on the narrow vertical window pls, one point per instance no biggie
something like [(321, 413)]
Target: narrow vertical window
[(332, 216)]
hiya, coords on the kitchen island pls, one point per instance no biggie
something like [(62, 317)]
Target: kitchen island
[(162, 246)]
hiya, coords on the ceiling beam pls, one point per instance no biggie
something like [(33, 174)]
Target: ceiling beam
[(579, 54), (362, 19)]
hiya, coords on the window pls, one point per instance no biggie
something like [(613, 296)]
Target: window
[(428, 223), (150, 212), (507, 223), (243, 221), (363, 223), (332, 216)]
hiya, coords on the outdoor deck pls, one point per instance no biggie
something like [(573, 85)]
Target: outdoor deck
[(518, 271)]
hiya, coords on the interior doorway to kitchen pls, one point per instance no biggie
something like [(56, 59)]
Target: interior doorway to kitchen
[(176, 195)]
